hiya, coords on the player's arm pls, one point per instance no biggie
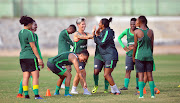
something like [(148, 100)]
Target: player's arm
[(135, 45), (104, 40), (34, 48), (152, 40), (76, 35), (72, 58), (120, 41)]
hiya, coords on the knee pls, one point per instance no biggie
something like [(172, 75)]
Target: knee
[(106, 75)]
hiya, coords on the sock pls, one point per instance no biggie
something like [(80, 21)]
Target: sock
[(126, 82), (154, 85), (112, 90), (20, 87), (31, 82), (25, 89), (66, 90), (64, 81), (151, 85), (74, 88), (36, 89), (137, 81), (115, 88), (145, 84), (141, 86), (106, 84), (96, 78), (57, 89)]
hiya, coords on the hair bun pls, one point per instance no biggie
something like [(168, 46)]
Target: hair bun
[(110, 19)]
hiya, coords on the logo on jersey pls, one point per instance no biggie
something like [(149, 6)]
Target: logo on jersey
[(95, 66), (126, 67), (83, 46), (80, 67)]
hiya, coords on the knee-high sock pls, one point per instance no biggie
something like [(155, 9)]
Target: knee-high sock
[(141, 86), (36, 89), (96, 78), (126, 82), (66, 90), (57, 89), (106, 84), (151, 85)]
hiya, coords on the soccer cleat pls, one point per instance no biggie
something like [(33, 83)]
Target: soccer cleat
[(74, 92), (63, 85), (137, 88), (118, 93), (95, 89), (179, 86), (152, 96), (67, 95), (124, 88), (156, 91), (106, 91), (38, 97), (19, 96), (27, 97), (56, 93), (86, 92), (141, 97)]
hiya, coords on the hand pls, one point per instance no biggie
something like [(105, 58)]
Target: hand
[(134, 59), (48, 69), (131, 47), (40, 62), (126, 49), (94, 29), (85, 85)]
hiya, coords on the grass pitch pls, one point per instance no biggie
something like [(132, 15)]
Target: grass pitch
[(166, 77)]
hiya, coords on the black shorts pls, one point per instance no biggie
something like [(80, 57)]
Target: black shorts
[(110, 63), (143, 66), (98, 64), (82, 65), (29, 65), (129, 63), (56, 69)]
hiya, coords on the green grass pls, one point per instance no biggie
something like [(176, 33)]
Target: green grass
[(166, 76)]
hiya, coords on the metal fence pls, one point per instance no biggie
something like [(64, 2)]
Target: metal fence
[(69, 8)]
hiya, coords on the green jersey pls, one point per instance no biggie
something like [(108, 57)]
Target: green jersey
[(144, 49), (97, 54), (80, 45), (64, 42), (61, 58), (25, 37), (130, 40)]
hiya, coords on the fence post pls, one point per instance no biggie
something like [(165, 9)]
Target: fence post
[(157, 7), (21, 7), (56, 8)]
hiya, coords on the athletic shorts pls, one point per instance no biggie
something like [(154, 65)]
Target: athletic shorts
[(58, 70), (29, 65), (98, 64), (143, 66), (82, 65), (129, 63), (110, 63)]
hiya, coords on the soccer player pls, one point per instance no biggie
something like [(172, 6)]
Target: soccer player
[(30, 58), (129, 50), (143, 54), (33, 29), (98, 65), (64, 44), (56, 65), (104, 38), (80, 43)]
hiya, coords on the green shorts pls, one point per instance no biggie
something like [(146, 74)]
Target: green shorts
[(143, 66), (98, 64), (110, 64), (129, 63), (59, 70)]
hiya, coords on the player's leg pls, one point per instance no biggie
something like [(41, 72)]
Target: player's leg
[(137, 79), (149, 67), (26, 76), (109, 67), (68, 76), (129, 68), (68, 67), (97, 68), (75, 84), (140, 70)]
